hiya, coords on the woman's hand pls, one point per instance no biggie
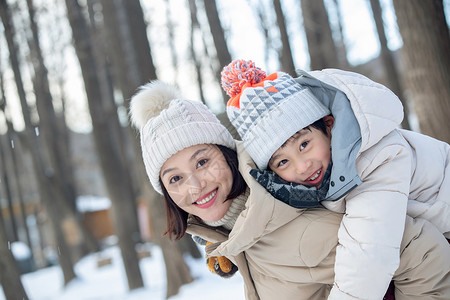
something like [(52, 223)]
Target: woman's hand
[(220, 265)]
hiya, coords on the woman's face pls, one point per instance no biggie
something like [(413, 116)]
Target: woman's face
[(198, 179)]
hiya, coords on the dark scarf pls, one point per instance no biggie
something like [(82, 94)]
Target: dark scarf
[(293, 194)]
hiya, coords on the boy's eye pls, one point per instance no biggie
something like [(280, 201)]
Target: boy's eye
[(303, 145), (201, 162), (281, 163), (174, 179)]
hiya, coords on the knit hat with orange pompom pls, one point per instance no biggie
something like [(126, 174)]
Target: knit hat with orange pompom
[(267, 110), (168, 124)]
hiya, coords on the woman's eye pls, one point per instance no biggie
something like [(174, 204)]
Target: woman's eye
[(174, 179), (282, 163), (201, 162), (303, 145)]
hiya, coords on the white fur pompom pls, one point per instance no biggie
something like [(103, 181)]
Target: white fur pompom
[(150, 100)]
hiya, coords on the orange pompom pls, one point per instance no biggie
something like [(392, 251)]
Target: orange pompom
[(238, 73)]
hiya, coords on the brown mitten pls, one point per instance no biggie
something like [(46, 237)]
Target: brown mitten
[(220, 265)]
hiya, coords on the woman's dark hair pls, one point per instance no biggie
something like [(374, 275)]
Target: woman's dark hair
[(177, 218)]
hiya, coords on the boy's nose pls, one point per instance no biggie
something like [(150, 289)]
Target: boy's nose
[(302, 166)]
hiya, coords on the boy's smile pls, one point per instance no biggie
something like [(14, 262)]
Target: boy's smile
[(305, 156), (316, 179)]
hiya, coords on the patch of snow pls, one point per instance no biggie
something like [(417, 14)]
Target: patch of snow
[(20, 250), (109, 282), (92, 203)]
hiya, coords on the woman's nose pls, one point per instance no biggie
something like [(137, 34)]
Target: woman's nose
[(195, 184)]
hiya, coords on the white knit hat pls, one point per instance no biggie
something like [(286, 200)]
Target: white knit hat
[(168, 124), (267, 110)]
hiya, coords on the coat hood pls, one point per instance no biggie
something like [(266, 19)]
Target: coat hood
[(364, 113), (377, 109)]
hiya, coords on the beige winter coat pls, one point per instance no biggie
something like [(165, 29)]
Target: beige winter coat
[(287, 253)]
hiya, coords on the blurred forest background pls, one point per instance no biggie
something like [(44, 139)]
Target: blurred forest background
[(71, 177)]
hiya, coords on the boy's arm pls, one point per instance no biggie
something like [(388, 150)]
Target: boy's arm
[(371, 230)]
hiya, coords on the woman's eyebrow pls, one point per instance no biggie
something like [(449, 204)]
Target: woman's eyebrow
[(196, 153), (167, 171)]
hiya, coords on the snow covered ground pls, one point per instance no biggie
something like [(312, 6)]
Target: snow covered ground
[(109, 282)]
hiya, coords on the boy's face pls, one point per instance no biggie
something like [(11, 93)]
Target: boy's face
[(305, 156)]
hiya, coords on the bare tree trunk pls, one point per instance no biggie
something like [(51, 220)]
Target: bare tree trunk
[(18, 187), (9, 136), (15, 171), (110, 110), (202, 58), (321, 47), (171, 32), (218, 35), (223, 54), (7, 185), (209, 58), (126, 69), (197, 64), (188, 246), (340, 45), (107, 86), (47, 117), (127, 65), (177, 272), (147, 70), (45, 178), (119, 187), (53, 136), (128, 82), (12, 157), (265, 27), (286, 59), (390, 69), (40, 223), (9, 272), (2, 220), (57, 67), (425, 52), (129, 74)]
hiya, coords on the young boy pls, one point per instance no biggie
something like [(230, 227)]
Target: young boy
[(332, 140)]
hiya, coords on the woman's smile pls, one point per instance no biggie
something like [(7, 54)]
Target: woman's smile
[(207, 200)]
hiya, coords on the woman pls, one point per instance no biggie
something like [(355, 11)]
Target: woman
[(281, 252)]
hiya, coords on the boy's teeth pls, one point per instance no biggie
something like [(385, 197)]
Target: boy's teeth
[(315, 176), (207, 199)]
